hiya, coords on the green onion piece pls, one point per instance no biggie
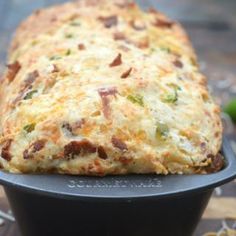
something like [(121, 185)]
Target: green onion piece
[(34, 42), (29, 128), (69, 36), (55, 57), (175, 86), (165, 49), (162, 130), (136, 99), (68, 52), (171, 98), (30, 94), (75, 23), (153, 49)]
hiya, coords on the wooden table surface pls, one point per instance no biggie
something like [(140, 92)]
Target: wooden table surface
[(211, 25)]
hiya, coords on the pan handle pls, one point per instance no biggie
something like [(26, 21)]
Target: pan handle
[(229, 144)]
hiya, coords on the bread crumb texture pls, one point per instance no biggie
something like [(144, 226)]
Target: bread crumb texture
[(102, 87)]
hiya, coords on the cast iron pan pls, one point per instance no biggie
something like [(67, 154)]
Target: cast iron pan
[(122, 187)]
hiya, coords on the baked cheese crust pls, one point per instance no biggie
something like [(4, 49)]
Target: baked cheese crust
[(102, 87)]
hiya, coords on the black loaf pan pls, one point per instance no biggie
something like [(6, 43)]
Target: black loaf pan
[(134, 205)]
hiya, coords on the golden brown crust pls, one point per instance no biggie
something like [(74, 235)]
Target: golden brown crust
[(100, 87)]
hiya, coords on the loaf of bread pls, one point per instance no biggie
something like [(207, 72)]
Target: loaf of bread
[(102, 87)]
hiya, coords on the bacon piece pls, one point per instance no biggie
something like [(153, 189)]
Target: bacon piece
[(5, 154), (117, 61), (76, 147), (118, 144), (109, 21), (119, 36), (19, 97), (85, 146), (102, 153), (13, 69), (163, 23), (34, 147), (81, 46), (107, 91), (104, 93), (38, 145), (31, 78), (137, 26), (106, 106), (126, 73), (217, 163), (27, 85), (178, 63), (37, 12), (72, 127)]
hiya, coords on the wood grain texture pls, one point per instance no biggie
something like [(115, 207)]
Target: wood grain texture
[(220, 208)]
